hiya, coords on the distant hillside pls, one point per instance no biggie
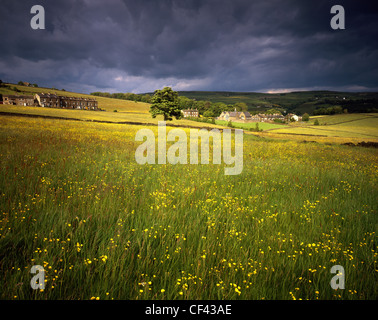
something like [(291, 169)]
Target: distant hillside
[(312, 102), (105, 103), (296, 102)]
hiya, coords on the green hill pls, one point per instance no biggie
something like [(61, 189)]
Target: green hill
[(107, 104), (127, 111), (340, 128), (296, 102)]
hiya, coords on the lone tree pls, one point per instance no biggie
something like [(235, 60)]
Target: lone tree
[(165, 102)]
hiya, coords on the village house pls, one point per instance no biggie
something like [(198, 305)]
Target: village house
[(272, 117), (261, 117), (55, 101), (191, 113), (47, 100), (51, 100), (78, 103), (9, 99), (21, 100), (255, 118), (293, 117), (235, 116)]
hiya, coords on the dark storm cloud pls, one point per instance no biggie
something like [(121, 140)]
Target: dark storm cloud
[(240, 45)]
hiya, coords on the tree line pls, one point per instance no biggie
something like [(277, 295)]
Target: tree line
[(330, 110), (125, 96), (347, 106), (205, 108)]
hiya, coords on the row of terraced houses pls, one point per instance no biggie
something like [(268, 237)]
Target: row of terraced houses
[(51, 100), (245, 116)]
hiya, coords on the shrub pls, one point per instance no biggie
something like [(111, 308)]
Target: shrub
[(208, 114), (306, 117), (256, 128)]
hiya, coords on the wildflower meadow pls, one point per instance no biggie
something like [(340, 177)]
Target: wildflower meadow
[(74, 201)]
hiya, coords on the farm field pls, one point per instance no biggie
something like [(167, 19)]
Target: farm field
[(74, 200), (342, 128), (248, 125), (297, 102), (336, 128), (85, 115)]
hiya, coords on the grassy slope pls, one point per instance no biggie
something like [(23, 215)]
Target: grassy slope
[(74, 200), (337, 128), (104, 103), (298, 102), (248, 125), (126, 110), (344, 126)]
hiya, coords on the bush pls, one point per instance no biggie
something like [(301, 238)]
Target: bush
[(115, 110), (316, 122), (208, 114), (256, 128), (306, 117)]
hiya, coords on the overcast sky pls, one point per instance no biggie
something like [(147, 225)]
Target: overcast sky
[(234, 45)]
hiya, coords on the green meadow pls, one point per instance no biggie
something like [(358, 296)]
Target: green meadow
[(342, 128), (74, 200), (251, 125)]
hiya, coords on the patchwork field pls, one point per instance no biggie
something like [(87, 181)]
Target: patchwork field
[(248, 125), (74, 200), (336, 129), (84, 115)]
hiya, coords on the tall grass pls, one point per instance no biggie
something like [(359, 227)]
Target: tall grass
[(74, 200)]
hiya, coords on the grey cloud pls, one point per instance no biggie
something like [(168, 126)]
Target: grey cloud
[(239, 45)]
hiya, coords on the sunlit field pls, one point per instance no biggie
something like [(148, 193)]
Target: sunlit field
[(353, 127), (107, 104), (249, 125), (74, 200), (134, 115)]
